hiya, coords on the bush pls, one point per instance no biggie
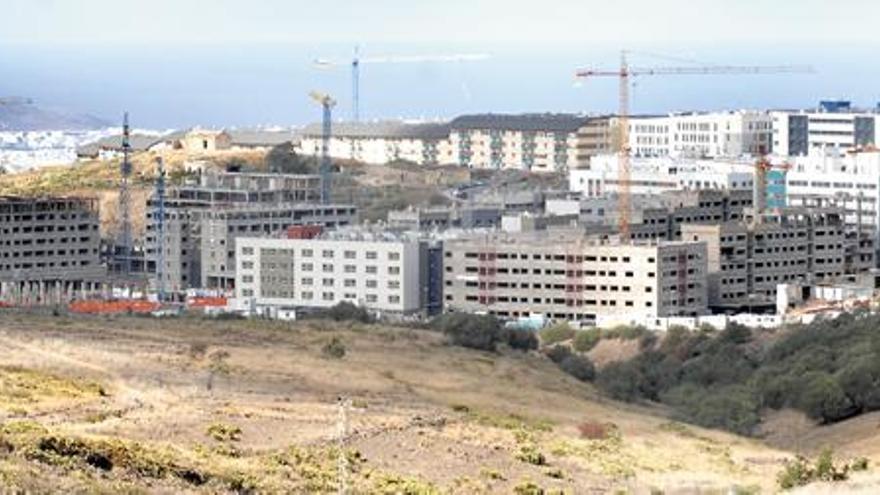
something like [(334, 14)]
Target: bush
[(334, 349), (523, 340), (556, 334), (558, 353), (732, 408), (799, 472), (282, 159), (530, 454), (585, 340), (344, 311), (482, 332), (579, 367), (627, 332)]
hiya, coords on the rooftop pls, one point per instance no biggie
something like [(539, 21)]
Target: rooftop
[(383, 129)]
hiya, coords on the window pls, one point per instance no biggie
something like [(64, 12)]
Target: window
[(350, 255), (393, 284), (393, 270), (394, 299), (327, 282), (247, 265), (371, 269), (371, 298), (247, 293), (371, 284), (327, 296), (307, 281), (307, 267), (307, 296), (371, 255), (247, 250), (393, 256), (327, 267), (327, 253), (307, 253), (247, 279), (350, 269), (350, 282)]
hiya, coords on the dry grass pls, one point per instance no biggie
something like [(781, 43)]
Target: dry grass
[(429, 417)]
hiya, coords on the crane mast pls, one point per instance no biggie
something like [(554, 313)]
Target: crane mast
[(327, 103), (624, 75)]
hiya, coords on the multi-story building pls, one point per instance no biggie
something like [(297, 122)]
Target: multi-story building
[(424, 143), (655, 175), (835, 125), (382, 272), (221, 195), (658, 216), (534, 142), (565, 275), (49, 249), (221, 227), (710, 134), (748, 259)]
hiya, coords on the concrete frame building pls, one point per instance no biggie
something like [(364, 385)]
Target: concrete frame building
[(571, 277), (285, 199), (423, 143), (747, 260), (49, 249), (381, 272)]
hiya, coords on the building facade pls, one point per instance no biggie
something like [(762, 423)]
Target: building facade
[(212, 202), (834, 126), (381, 273), (570, 277), (424, 143), (747, 260), (49, 249), (704, 135)]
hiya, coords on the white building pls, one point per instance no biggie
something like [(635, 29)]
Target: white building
[(850, 180), (654, 175), (712, 134), (382, 142), (833, 126), (380, 273)]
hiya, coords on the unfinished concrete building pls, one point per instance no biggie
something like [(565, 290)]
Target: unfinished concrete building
[(568, 276), (748, 259), (49, 249), (249, 204)]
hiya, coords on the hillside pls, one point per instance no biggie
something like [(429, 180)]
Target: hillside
[(97, 404), (22, 114)]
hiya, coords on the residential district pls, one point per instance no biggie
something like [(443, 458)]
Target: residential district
[(754, 216)]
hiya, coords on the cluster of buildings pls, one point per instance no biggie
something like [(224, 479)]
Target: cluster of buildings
[(710, 233)]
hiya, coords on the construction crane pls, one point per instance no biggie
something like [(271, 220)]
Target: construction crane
[(356, 62), (327, 103), (160, 229), (624, 73), (124, 249)]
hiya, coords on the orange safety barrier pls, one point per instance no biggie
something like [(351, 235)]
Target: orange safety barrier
[(206, 302), (109, 307)]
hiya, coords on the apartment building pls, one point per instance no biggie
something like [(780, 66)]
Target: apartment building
[(294, 198), (657, 216), (569, 276), (423, 143), (833, 126), (534, 142), (49, 249), (658, 174), (382, 272), (697, 134), (848, 180), (221, 227), (747, 260)]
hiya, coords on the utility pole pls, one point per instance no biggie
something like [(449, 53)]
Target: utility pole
[(160, 229)]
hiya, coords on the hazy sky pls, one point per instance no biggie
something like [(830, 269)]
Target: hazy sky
[(174, 63)]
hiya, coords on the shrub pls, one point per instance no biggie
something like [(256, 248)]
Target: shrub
[(732, 408), (594, 430), (558, 353), (527, 487), (585, 340), (482, 332), (523, 340), (556, 333), (579, 367), (530, 454), (344, 311), (224, 433), (334, 349), (626, 332), (799, 472)]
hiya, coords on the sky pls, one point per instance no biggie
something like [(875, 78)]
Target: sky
[(246, 62)]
